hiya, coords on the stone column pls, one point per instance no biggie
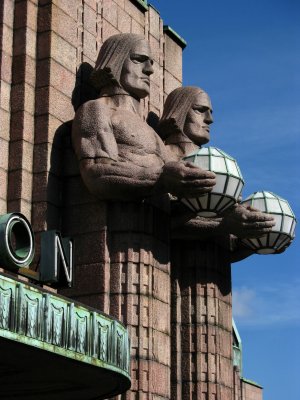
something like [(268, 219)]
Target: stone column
[(201, 356), (140, 292), (123, 268)]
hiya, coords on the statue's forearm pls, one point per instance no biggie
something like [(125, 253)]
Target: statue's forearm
[(121, 181)]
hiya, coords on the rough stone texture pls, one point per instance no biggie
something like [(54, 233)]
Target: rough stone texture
[(130, 276), (43, 47), (237, 384), (250, 391), (201, 338), (6, 35)]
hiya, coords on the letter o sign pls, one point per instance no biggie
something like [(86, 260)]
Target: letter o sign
[(16, 241)]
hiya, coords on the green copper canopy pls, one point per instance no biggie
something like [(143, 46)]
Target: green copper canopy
[(58, 347)]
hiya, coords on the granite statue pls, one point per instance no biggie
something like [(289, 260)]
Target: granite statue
[(184, 126), (121, 157)]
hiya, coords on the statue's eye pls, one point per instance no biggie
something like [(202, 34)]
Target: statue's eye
[(200, 109), (138, 58)]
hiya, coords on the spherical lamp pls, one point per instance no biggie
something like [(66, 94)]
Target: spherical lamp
[(229, 181), (284, 230)]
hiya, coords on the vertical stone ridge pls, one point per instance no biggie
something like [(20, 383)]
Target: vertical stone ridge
[(99, 25), (201, 284), (22, 104), (80, 32), (6, 46), (138, 296)]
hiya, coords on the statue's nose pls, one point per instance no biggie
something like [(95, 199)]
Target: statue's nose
[(148, 68), (208, 117)]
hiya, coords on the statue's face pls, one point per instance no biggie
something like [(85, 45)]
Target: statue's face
[(136, 71), (198, 119)]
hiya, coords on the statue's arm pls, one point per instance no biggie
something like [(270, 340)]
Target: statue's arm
[(109, 177), (237, 222), (105, 175)]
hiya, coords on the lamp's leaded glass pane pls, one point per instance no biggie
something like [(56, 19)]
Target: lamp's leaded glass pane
[(203, 151), (278, 220), (286, 208), (273, 206), (285, 242), (293, 228), (218, 164), (214, 199), (249, 243), (269, 195), (203, 201), (214, 151), (255, 243), (189, 159), (287, 224), (232, 186), (232, 169), (282, 240), (239, 190), (272, 238), (259, 204), (263, 240), (225, 203), (257, 195), (188, 204), (220, 183), (202, 162)]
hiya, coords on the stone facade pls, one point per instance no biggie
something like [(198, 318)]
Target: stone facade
[(48, 49), (43, 45), (122, 250), (250, 390)]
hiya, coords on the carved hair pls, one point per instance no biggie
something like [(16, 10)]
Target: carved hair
[(176, 107), (111, 58)]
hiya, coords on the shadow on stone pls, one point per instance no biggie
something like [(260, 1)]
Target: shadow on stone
[(83, 90)]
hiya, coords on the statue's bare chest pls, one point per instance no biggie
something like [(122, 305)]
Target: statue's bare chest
[(134, 135)]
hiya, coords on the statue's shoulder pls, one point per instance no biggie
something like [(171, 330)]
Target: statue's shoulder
[(93, 108), (91, 120)]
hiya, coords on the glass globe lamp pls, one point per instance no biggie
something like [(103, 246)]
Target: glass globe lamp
[(229, 182), (284, 230)]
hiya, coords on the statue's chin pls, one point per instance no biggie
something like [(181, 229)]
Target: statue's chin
[(201, 141), (140, 93)]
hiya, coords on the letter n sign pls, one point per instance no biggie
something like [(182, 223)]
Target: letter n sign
[(57, 261)]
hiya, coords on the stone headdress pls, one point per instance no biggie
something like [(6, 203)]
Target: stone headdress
[(176, 107), (112, 55)]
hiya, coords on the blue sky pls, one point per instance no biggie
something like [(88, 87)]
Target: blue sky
[(246, 55)]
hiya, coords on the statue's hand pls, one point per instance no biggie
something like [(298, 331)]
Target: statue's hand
[(246, 222), (184, 179)]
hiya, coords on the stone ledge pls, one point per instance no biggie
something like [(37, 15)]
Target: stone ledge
[(141, 4), (174, 35), (252, 383)]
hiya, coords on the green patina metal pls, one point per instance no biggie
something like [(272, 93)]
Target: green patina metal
[(238, 354), (237, 348), (142, 3), (154, 8), (174, 35), (251, 383), (37, 318)]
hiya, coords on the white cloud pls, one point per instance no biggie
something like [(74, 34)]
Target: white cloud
[(267, 305)]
